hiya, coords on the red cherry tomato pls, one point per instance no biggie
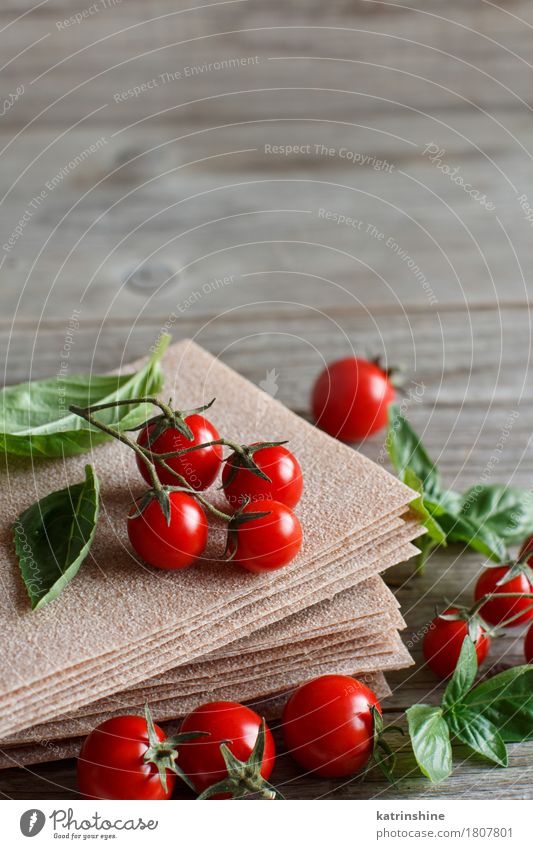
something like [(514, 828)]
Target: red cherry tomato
[(444, 640), (111, 764), (172, 546), (199, 468), (500, 609), (328, 726), (279, 464), (226, 722), (350, 399), (270, 542), (528, 645)]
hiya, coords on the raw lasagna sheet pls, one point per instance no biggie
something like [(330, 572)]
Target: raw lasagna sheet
[(344, 658), (114, 601), (269, 602), (56, 750), (364, 616), (159, 660)]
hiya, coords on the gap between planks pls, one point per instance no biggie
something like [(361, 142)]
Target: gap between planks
[(385, 309)]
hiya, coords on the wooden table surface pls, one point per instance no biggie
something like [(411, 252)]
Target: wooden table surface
[(147, 183)]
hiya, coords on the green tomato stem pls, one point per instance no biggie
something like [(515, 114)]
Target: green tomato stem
[(492, 596), (122, 437), (147, 457)]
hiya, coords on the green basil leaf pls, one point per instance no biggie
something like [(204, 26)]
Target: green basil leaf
[(464, 675), (486, 517), (446, 501), (507, 701), (512, 717), (482, 539), (433, 528), (504, 510), (407, 452), (35, 418), (426, 546), (478, 733), (430, 739), (53, 537), (500, 686)]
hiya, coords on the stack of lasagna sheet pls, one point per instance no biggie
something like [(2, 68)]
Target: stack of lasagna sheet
[(123, 634)]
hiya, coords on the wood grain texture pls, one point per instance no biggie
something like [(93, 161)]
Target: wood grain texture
[(182, 219)]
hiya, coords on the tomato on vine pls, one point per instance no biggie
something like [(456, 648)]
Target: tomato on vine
[(241, 482), (235, 759), (128, 757), (351, 397), (164, 435), (444, 639), (331, 726), (264, 537), (515, 578), (171, 541)]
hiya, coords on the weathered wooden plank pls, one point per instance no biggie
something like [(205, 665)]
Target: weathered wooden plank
[(478, 35), (409, 235), (449, 575), (467, 373), (471, 780), (464, 252), (302, 288)]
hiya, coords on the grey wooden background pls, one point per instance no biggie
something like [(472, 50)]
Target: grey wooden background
[(182, 214)]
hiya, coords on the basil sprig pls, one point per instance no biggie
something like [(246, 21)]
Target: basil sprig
[(487, 517), (35, 419), (430, 740), (483, 718), (53, 538)]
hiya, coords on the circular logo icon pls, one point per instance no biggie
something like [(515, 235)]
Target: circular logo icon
[(32, 822)]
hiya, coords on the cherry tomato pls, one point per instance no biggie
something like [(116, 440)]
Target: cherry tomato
[(444, 640), (199, 468), (225, 722), (270, 542), (112, 762), (172, 546), (328, 726), (279, 464), (500, 609), (528, 645), (350, 399)]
